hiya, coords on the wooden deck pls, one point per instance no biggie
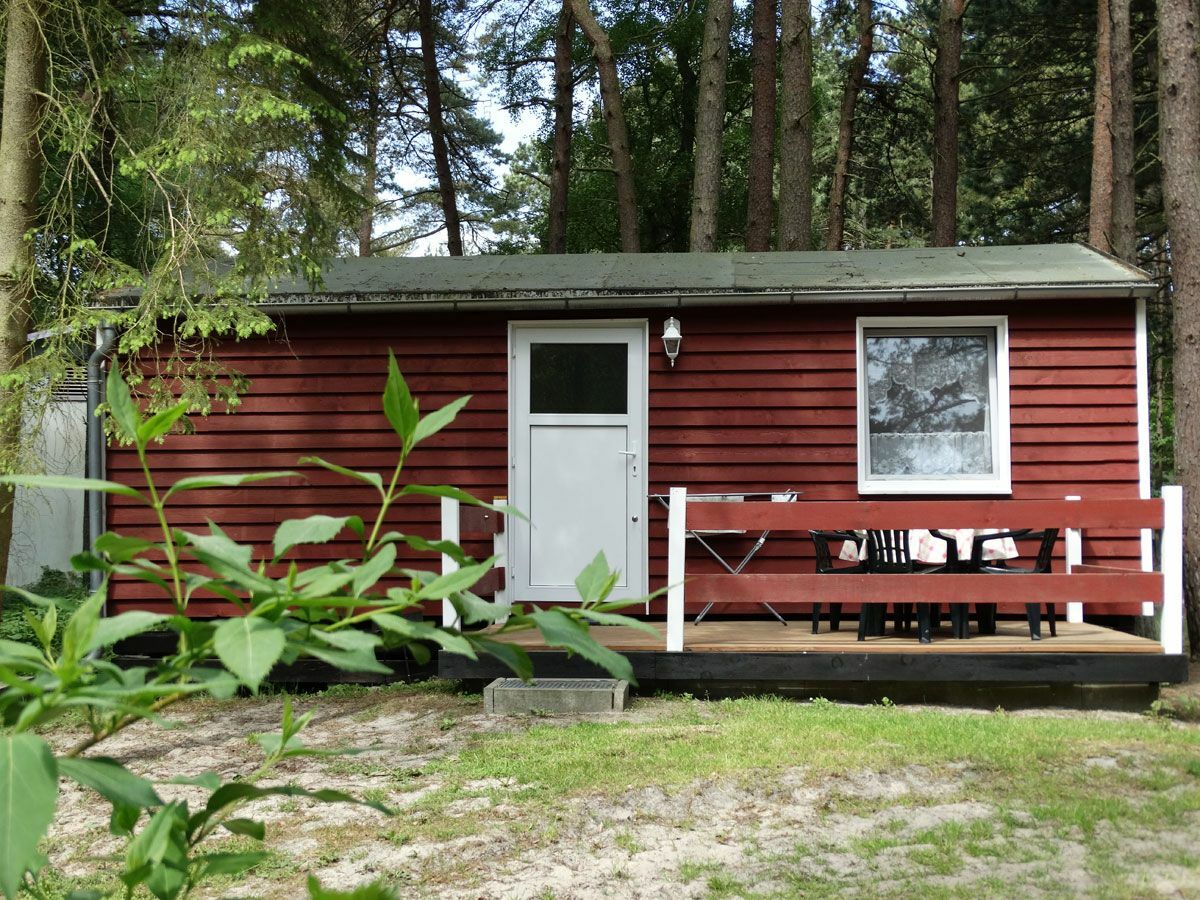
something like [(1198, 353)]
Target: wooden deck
[(766, 652), (797, 637)]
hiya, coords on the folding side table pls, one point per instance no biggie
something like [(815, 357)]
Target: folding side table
[(787, 496)]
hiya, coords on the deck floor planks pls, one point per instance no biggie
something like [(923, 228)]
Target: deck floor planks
[(797, 637)]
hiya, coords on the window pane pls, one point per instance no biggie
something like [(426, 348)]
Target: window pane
[(929, 411), (578, 378)]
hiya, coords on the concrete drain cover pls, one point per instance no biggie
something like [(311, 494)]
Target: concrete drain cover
[(550, 696)]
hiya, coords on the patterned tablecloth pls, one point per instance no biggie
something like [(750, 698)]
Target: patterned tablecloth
[(925, 548)]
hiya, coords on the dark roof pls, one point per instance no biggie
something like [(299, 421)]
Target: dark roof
[(668, 279)]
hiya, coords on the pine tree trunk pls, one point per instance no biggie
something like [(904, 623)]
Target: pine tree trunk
[(366, 223), (761, 175), (20, 175), (710, 126), (437, 128), (1179, 148), (689, 91), (795, 139), (614, 119), (564, 109), (836, 231), (1124, 198), (945, 123), (1100, 208)]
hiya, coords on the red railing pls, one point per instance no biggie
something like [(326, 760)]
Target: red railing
[(1091, 585)]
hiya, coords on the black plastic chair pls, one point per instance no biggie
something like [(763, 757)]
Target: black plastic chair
[(1041, 565), (960, 623), (825, 566), (888, 554)]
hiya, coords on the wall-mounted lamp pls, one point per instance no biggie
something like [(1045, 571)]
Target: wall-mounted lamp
[(672, 338)]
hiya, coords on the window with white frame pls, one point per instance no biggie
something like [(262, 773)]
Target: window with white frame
[(933, 405)]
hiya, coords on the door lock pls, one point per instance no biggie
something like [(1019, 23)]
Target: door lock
[(635, 518)]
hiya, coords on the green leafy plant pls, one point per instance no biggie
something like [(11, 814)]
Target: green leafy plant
[(16, 614), (339, 612)]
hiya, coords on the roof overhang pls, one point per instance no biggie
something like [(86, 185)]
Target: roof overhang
[(1058, 272), (319, 303)]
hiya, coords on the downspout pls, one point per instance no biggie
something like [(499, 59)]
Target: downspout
[(105, 336)]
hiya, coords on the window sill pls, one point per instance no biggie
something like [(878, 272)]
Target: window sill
[(959, 488)]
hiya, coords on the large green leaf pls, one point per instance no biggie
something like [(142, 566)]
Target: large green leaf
[(248, 827), (110, 780), (323, 582), (372, 478), (219, 546), (449, 548), (28, 794), (236, 791), (230, 863), (475, 609), (120, 548), (121, 407), (348, 660), (560, 630), (228, 559), (597, 617), (111, 629), (595, 582), (349, 639), (510, 654), (203, 482), (80, 629), (374, 891), (18, 650), (453, 582), (65, 483), (398, 404), (249, 647), (312, 530), (416, 630), (157, 843), (219, 683), (366, 575), (439, 419), (160, 423), (447, 490)]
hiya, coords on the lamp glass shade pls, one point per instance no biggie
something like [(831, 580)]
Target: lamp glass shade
[(672, 338)]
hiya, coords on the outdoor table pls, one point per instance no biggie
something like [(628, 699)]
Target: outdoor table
[(925, 548)]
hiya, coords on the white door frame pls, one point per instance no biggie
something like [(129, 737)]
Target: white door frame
[(644, 438)]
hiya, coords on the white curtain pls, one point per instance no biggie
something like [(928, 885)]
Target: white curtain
[(945, 453)]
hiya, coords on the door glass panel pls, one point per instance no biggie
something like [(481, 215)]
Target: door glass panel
[(578, 378)]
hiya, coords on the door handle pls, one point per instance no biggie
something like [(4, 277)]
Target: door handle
[(627, 452)]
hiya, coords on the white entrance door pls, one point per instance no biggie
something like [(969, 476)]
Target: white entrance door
[(578, 457)]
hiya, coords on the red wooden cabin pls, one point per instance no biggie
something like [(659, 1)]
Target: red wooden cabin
[(1014, 373)]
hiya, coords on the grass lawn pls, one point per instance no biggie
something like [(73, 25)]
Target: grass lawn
[(687, 798)]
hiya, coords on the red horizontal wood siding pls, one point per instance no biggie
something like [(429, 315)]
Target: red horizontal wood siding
[(760, 399)]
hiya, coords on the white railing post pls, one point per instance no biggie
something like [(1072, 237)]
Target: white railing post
[(676, 551), (500, 551), (1142, 355), (450, 532), (1172, 569), (1074, 541)]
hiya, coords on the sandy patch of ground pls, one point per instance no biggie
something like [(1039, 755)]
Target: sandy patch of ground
[(903, 831)]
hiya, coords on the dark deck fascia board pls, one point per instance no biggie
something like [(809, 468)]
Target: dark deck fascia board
[(958, 667)]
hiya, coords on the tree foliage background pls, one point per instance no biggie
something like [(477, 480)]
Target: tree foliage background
[(219, 143)]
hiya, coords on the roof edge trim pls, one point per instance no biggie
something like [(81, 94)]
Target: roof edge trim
[(366, 303)]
